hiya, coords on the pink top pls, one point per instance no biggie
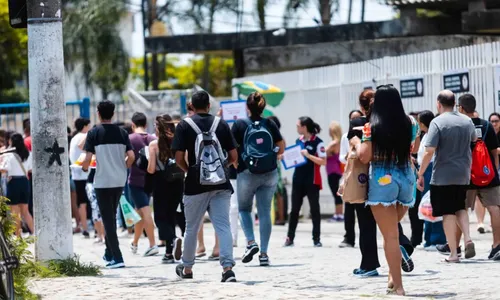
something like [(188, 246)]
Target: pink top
[(333, 165)]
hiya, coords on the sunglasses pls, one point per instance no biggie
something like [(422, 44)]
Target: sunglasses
[(385, 85)]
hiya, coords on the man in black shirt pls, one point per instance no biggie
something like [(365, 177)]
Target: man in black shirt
[(197, 197), (488, 195)]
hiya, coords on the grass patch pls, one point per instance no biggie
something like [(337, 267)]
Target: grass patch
[(29, 268)]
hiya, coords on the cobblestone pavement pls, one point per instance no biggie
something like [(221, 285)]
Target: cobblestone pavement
[(301, 272)]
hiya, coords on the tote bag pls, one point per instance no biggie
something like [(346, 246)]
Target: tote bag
[(354, 186)]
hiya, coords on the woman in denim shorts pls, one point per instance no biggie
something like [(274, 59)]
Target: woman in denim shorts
[(386, 143)]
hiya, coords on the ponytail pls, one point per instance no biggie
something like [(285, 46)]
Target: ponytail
[(256, 103), (312, 127)]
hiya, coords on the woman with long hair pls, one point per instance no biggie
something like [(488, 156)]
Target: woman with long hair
[(433, 232), (251, 182), (17, 164), (167, 194), (333, 168), (386, 143), (307, 179)]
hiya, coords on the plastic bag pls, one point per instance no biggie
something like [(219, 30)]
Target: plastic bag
[(129, 214), (425, 209)]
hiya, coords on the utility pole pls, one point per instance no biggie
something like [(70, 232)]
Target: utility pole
[(350, 12), (51, 195), (363, 6)]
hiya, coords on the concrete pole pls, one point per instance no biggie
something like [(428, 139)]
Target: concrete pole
[(51, 195)]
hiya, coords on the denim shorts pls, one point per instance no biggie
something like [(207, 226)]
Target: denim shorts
[(391, 186), (138, 196)]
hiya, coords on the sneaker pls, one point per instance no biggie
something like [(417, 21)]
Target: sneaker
[(495, 253), (430, 248), (179, 270), (445, 250), (288, 242), (86, 234), (264, 260), (107, 259), (345, 244), (115, 265), (228, 276), (167, 259), (152, 251), (250, 251), (406, 261), (177, 249), (318, 244), (365, 273), (133, 248)]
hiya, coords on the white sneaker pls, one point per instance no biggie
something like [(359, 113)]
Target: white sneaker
[(152, 251), (133, 248), (430, 248)]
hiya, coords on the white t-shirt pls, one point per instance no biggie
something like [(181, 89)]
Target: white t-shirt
[(74, 154), (12, 166), (344, 148), (421, 151)]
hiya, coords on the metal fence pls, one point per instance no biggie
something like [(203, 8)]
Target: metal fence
[(13, 114), (329, 93)]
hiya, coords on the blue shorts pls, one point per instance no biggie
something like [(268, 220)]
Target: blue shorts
[(18, 190), (389, 187), (138, 196)]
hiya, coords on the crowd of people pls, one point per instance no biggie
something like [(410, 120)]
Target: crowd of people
[(200, 163)]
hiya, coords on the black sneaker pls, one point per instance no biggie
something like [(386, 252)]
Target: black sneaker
[(179, 270), (495, 253), (288, 242), (228, 276), (167, 259), (251, 250), (264, 260), (107, 258), (406, 261), (86, 234), (318, 244), (115, 265), (445, 250), (346, 244)]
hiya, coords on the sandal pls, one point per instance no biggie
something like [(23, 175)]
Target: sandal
[(213, 257), (201, 254), (470, 250), (452, 261)]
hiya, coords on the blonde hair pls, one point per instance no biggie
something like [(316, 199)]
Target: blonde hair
[(335, 131)]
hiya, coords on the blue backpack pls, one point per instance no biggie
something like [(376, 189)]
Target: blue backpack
[(258, 148)]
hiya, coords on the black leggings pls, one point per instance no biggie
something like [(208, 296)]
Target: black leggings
[(299, 191), (333, 182), (166, 199)]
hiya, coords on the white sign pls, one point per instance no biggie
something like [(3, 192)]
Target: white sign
[(292, 157), (234, 110)]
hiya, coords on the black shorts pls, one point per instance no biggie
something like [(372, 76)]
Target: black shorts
[(18, 190), (81, 192), (447, 199)]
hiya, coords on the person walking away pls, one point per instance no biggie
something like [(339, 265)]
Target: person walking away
[(136, 180), (16, 164), (168, 187), (208, 141), (349, 209), (307, 179), (333, 169), (449, 138), (484, 185), (386, 143), (260, 142), (114, 155), (79, 177), (433, 232)]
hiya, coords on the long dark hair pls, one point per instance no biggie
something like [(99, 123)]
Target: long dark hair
[(166, 129), (256, 104), (18, 143), (312, 127), (391, 128)]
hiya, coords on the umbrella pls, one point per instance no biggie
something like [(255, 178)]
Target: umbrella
[(273, 94)]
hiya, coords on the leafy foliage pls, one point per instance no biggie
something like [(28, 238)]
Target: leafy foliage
[(13, 50), (326, 9)]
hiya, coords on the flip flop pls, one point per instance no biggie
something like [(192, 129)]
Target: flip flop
[(470, 250), (213, 257), (451, 261), (201, 254)]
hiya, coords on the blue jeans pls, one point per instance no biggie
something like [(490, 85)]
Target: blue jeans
[(262, 186), (433, 232)]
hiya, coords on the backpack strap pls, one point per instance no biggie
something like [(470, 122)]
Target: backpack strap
[(486, 131), (193, 125), (215, 124)]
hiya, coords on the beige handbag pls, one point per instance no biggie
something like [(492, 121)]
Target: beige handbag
[(354, 186)]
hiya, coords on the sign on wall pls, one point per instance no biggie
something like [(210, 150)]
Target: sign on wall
[(457, 81), (411, 88)]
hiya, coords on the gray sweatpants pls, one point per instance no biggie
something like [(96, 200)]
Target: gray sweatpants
[(195, 206)]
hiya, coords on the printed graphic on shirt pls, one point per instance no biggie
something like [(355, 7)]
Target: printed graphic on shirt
[(367, 133), (321, 150)]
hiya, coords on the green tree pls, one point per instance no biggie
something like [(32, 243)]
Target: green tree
[(13, 50), (92, 40), (261, 12), (326, 9)]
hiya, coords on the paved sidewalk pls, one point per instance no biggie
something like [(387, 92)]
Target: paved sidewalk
[(301, 272)]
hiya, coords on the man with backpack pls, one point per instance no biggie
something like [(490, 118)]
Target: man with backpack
[(485, 182), (448, 140), (211, 149)]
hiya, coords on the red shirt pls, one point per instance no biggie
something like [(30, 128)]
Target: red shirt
[(27, 143)]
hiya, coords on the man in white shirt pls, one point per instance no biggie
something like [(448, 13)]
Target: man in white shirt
[(82, 126)]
